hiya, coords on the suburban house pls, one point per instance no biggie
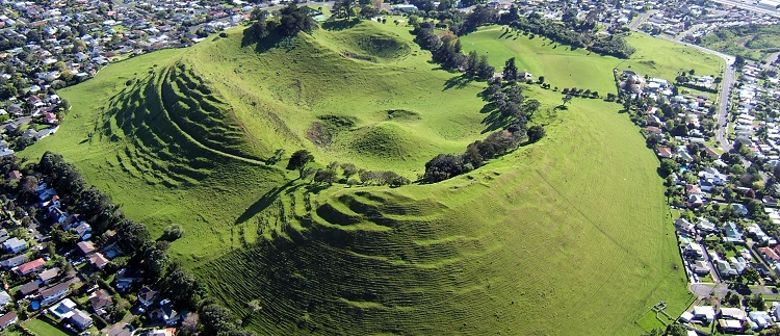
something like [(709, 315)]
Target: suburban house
[(165, 314), (30, 267), (14, 261), (7, 320), (83, 230), (100, 300), (48, 275), (146, 296), (54, 293), (85, 247), (704, 313), (97, 260), (14, 245), (29, 288), (5, 298), (81, 320), (63, 309)]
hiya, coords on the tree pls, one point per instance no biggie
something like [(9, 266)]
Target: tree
[(442, 167), (739, 61), (215, 319), (510, 70), (484, 69), (325, 176), (566, 99), (181, 287), (676, 329), (299, 160), (471, 64), (173, 232), (757, 301), (667, 167), (348, 170), (344, 8), (295, 19), (535, 133), (258, 14)]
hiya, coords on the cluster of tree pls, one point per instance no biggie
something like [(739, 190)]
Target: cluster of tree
[(292, 20), (584, 93), (479, 16), (510, 103), (445, 166), (133, 238), (506, 98), (614, 45), (446, 50), (343, 173), (382, 178)]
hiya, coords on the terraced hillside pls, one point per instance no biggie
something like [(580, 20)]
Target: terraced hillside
[(567, 236)]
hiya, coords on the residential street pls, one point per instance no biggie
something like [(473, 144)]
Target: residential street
[(723, 106)]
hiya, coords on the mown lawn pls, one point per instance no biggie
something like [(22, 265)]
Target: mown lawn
[(42, 328)]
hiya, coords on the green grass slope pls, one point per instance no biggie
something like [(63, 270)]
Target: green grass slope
[(288, 97), (568, 236), (580, 68)]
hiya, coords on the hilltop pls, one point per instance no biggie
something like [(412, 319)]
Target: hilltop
[(553, 234)]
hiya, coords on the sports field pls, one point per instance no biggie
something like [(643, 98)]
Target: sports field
[(567, 236)]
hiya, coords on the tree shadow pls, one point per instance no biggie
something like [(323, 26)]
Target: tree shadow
[(457, 82), (263, 203), (336, 25), (494, 120)]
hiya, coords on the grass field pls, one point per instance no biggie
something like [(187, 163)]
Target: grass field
[(750, 41), (569, 236), (42, 328), (580, 68)]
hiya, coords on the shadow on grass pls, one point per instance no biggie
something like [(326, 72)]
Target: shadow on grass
[(263, 203), (337, 25), (457, 82)]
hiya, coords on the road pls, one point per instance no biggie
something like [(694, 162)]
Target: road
[(726, 85), (750, 7), (639, 20)]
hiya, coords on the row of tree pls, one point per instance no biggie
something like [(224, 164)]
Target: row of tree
[(507, 100), (446, 166), (446, 50)]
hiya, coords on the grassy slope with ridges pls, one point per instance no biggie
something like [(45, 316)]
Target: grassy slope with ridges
[(568, 236)]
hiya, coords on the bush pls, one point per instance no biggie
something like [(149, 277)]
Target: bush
[(173, 232)]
